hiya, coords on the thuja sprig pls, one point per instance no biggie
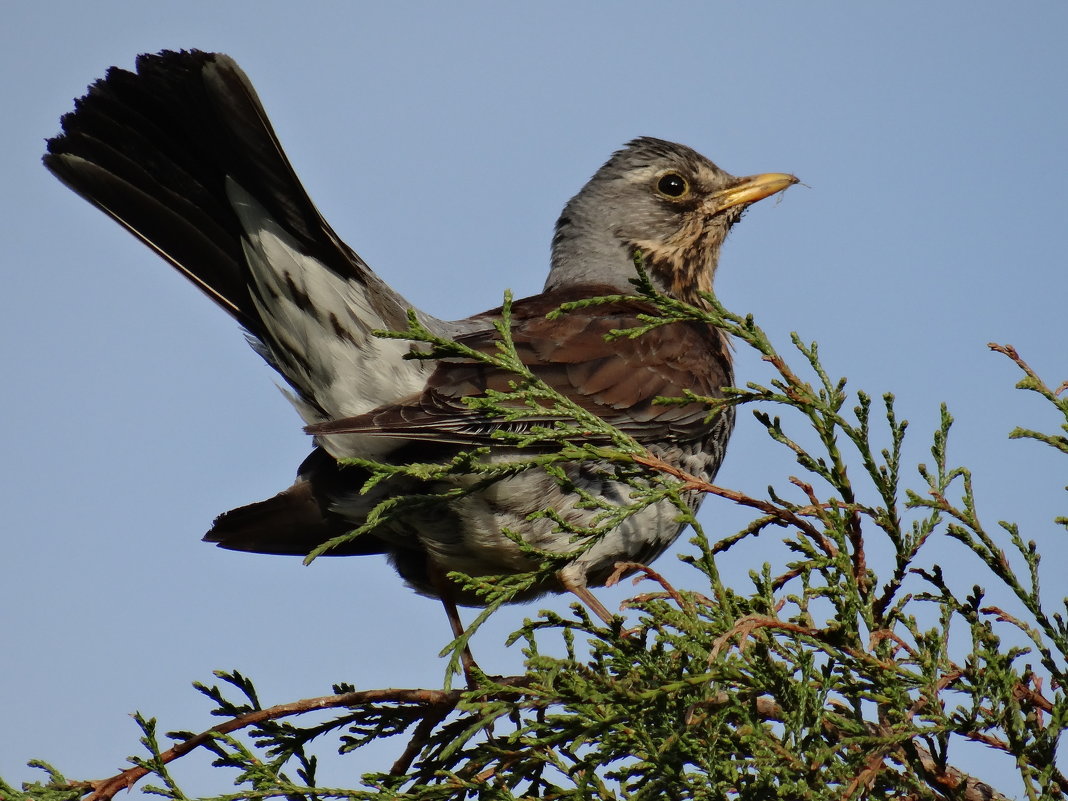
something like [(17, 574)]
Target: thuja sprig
[(829, 678)]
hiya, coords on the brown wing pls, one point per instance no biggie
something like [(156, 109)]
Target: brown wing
[(617, 379)]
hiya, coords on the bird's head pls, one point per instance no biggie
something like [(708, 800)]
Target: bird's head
[(663, 199)]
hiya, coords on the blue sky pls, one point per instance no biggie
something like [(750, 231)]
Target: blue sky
[(441, 141)]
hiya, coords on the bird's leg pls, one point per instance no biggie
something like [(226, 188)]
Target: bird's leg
[(443, 587), (583, 593)]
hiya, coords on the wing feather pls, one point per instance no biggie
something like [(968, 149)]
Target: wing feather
[(617, 379)]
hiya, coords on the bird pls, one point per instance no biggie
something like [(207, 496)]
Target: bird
[(181, 153)]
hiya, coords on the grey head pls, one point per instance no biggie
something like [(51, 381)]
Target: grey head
[(663, 199)]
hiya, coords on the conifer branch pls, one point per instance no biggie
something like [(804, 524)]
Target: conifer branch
[(831, 677)]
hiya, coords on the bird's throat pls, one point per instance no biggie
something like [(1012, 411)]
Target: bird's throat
[(682, 270)]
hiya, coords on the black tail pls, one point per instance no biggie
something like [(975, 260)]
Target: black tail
[(181, 154), (156, 149), (298, 520)]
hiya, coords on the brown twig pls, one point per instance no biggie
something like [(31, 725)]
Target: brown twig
[(887, 634), (622, 568), (1039, 385), (419, 738), (860, 562), (692, 482), (824, 542), (755, 527), (783, 579), (437, 702), (795, 389), (922, 702), (746, 625), (865, 778), (645, 597)]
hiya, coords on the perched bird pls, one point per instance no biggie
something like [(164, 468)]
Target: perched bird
[(181, 154)]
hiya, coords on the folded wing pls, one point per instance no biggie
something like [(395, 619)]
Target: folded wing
[(617, 378)]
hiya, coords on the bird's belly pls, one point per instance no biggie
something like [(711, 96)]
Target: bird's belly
[(535, 507), (477, 534), (473, 538)]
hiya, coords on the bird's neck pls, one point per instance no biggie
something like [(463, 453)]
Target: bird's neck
[(585, 253)]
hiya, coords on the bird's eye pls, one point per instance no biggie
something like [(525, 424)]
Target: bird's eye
[(672, 185)]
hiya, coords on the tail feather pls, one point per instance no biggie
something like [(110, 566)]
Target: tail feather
[(179, 130), (153, 151), (291, 524), (181, 153), (297, 520)]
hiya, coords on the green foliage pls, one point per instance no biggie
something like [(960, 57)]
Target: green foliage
[(828, 679)]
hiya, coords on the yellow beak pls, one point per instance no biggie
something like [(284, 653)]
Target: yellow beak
[(750, 190)]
